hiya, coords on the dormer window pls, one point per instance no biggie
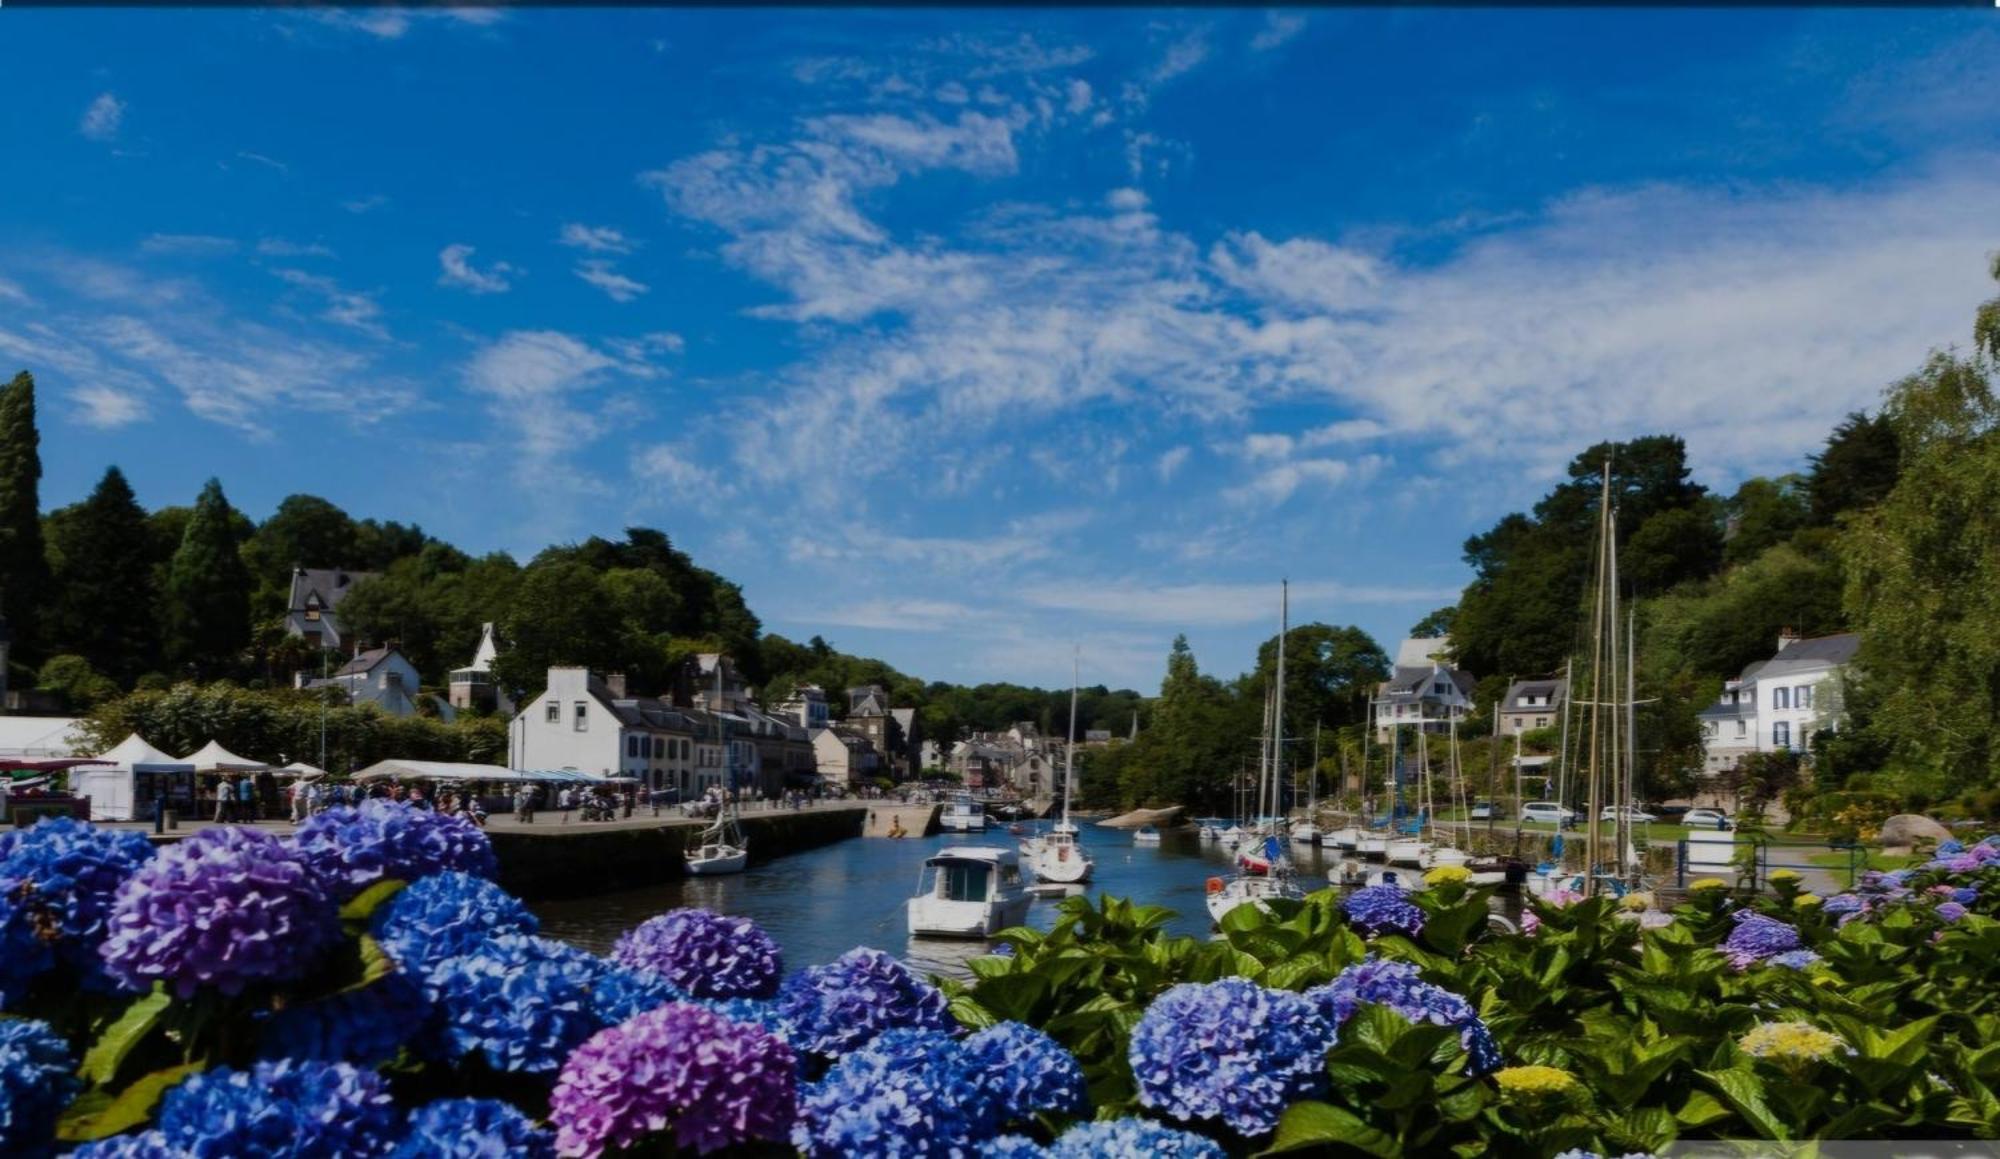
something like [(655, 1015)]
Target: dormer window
[(312, 607)]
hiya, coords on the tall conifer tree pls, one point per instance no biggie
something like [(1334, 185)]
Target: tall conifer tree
[(103, 606), (207, 601), (24, 567)]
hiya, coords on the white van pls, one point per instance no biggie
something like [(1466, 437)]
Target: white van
[(1547, 811)]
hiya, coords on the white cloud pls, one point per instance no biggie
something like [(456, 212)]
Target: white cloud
[(1276, 484), (277, 247), (350, 308), (1077, 96), (604, 276), (1171, 461), (106, 409), (547, 387), (1183, 56), (366, 204), (675, 467), (902, 615), (598, 239), (1302, 272), (267, 162), (102, 120), (1279, 27), (392, 23), (1210, 604), (12, 292), (458, 272), (187, 245)]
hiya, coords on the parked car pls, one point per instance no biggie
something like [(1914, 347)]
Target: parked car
[(1707, 819), (1669, 813), (1633, 813), (1482, 811), (1547, 811)]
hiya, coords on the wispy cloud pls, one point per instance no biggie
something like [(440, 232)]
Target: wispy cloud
[(603, 275), (277, 247), (102, 120), (458, 272), (106, 409), (261, 159), (597, 239), (1278, 28), (368, 204), (187, 245), (392, 23), (351, 308), (1211, 604)]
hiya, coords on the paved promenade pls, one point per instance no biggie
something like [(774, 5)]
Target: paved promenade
[(547, 822)]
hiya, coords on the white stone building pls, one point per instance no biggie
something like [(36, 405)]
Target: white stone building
[(1778, 704)]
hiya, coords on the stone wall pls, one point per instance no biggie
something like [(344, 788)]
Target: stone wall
[(577, 861)]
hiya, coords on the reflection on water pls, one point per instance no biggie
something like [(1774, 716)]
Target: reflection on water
[(824, 902)]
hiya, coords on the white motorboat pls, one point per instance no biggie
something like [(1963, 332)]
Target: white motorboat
[(1447, 857), (962, 814), (1374, 846), (1226, 895), (1408, 851), (1305, 833), (1145, 835), (1343, 839), (1059, 858), (969, 891), (1211, 828)]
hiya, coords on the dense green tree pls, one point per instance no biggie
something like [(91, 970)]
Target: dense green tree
[(1765, 513), (1856, 469), (1671, 548), (1329, 673), (206, 607), (560, 616), (1435, 623), (24, 569), (103, 609), (81, 686)]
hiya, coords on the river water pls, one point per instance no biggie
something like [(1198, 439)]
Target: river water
[(821, 903)]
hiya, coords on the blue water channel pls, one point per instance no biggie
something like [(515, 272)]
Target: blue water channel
[(821, 903)]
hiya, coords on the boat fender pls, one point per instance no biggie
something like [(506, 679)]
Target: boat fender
[(1215, 885)]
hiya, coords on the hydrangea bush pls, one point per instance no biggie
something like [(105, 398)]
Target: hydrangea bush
[(351, 847), (705, 955)]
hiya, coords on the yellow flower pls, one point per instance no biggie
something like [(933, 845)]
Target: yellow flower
[(1784, 875), (1699, 884), (1804, 900), (1448, 875), (1636, 901), (1789, 1042), (1535, 1080)]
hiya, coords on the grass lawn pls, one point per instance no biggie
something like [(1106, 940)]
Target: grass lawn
[(1837, 860)]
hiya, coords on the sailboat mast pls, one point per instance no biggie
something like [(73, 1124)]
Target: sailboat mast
[(1631, 709), (1615, 748), (1596, 686), (1069, 749), (1278, 703)]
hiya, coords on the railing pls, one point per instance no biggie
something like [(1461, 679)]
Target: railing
[(1751, 858)]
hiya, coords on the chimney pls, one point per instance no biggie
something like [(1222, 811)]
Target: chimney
[(1787, 636), (615, 681)]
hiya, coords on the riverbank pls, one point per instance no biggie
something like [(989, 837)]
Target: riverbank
[(559, 855)]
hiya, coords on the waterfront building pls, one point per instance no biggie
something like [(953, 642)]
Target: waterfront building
[(316, 595), (892, 731), (1777, 705), (589, 724), (845, 758), (1424, 690)]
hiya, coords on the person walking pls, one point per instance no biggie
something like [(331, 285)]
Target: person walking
[(224, 798), (246, 800)]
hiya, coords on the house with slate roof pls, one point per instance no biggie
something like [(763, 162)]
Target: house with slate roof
[(1424, 691), (1533, 703), (1777, 705), (316, 594), (382, 677)]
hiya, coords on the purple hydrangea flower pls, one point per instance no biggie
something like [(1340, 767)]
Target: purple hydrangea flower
[(1793, 959), (900, 1094), (1229, 1051), (705, 955), (1133, 1139), (1012, 1147), (140, 1145), (227, 907), (280, 1110), (58, 879), (354, 846), (1400, 987), (1843, 904), (1380, 908), (713, 1083), (37, 1080), (838, 1007), (473, 1129), (1021, 1072), (1951, 911), (444, 916), (366, 1027), (1756, 938)]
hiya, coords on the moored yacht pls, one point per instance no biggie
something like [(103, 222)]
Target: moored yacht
[(962, 814), (969, 891)]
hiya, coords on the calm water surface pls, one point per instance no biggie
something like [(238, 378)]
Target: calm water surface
[(822, 903)]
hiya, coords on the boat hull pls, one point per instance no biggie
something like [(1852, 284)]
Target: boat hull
[(1408, 852), (935, 918), (1241, 891), (1339, 839), (1375, 848), (714, 862)]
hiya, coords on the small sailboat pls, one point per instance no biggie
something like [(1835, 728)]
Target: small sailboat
[(1211, 828), (1060, 858), (721, 848), (968, 891), (1254, 886), (1146, 835), (1306, 831)]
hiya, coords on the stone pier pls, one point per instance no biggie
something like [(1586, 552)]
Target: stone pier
[(917, 820)]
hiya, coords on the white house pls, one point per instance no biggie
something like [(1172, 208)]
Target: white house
[(588, 724), (382, 677), (1777, 705), (1424, 691), (316, 593), (472, 687)]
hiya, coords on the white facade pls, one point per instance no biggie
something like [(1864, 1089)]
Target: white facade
[(1778, 704), (578, 723)]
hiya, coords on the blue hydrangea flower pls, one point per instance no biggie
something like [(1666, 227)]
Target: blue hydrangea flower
[(1842, 904), (352, 847), (1793, 959), (705, 955), (1133, 1139), (680, 1070), (227, 907), (473, 1129), (58, 879), (37, 1080), (280, 1110), (366, 1027), (1951, 911), (1950, 847), (1382, 908), (900, 1094), (1229, 1051), (1965, 895), (1021, 1072), (1400, 987), (444, 916), (521, 1003), (1012, 1147), (1756, 938), (838, 1007)]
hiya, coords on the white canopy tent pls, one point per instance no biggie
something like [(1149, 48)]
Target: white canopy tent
[(301, 770), (213, 758), (112, 788), (459, 771)]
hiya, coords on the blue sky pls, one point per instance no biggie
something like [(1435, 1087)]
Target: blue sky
[(960, 336)]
